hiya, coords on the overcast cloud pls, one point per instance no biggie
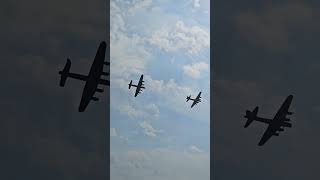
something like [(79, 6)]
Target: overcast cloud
[(42, 134), (262, 53)]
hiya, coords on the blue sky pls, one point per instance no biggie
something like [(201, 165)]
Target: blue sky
[(157, 135)]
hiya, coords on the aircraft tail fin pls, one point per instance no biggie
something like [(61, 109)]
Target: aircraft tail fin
[(130, 84), (188, 98), (64, 73), (251, 116)]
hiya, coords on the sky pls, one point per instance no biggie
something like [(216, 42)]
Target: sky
[(262, 52), (156, 135)]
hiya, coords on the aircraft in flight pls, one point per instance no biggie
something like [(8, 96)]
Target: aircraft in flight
[(139, 87), (93, 79), (276, 124), (196, 100)]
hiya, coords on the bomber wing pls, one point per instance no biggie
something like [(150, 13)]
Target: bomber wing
[(266, 136), (278, 121), (284, 109), (196, 100), (94, 78), (139, 86)]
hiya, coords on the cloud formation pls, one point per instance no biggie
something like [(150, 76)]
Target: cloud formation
[(195, 149), (181, 37), (147, 33), (271, 27), (113, 132), (138, 5), (194, 70), (159, 164), (149, 130), (196, 3)]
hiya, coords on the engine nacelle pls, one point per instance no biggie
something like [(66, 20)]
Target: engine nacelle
[(286, 124), (280, 129), (276, 134), (95, 99), (99, 90), (105, 73)]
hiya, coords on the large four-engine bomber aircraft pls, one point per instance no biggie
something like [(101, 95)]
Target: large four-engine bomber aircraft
[(139, 86), (276, 124), (196, 100), (93, 79)]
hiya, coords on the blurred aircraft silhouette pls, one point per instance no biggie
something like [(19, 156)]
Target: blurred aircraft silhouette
[(279, 120), (92, 79)]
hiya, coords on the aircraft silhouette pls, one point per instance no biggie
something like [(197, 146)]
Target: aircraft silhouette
[(92, 79), (196, 100), (139, 87), (279, 120)]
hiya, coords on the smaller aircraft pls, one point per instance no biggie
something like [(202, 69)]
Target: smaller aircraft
[(276, 124), (196, 100), (139, 87)]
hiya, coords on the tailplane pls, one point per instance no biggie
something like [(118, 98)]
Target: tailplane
[(130, 84), (188, 98), (251, 116), (64, 73)]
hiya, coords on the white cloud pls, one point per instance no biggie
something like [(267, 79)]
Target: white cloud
[(139, 5), (180, 37), (194, 70), (125, 139), (153, 109), (129, 56), (140, 111), (131, 111), (113, 132), (159, 164), (117, 22), (169, 88), (127, 51), (196, 3), (149, 130), (195, 149)]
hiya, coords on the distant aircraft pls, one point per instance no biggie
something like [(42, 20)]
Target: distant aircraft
[(279, 120), (139, 87), (196, 100), (92, 79)]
